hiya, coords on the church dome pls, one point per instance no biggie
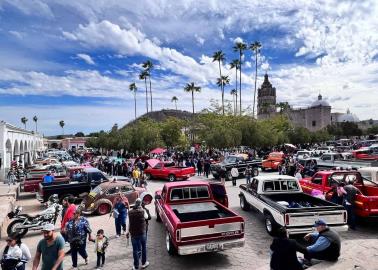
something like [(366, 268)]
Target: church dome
[(320, 102), (348, 117)]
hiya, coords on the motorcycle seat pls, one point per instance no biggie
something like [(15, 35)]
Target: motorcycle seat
[(30, 217)]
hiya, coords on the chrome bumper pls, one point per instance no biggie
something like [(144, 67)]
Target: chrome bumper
[(210, 246), (305, 230)]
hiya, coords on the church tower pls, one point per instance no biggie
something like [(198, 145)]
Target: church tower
[(266, 99)]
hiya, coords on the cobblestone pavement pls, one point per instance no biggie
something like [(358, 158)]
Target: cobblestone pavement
[(254, 255)]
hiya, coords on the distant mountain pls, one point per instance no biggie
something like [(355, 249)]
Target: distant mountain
[(160, 116)]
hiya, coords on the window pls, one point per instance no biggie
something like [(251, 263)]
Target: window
[(326, 157), (112, 191), (317, 179), (268, 186), (281, 185), (314, 123), (189, 193), (158, 166), (254, 184), (96, 176), (126, 189)]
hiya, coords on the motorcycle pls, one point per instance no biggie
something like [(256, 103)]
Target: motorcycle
[(22, 223)]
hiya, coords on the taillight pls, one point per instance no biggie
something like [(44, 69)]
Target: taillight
[(242, 227), (178, 235), (287, 219)]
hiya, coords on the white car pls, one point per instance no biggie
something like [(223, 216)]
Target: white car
[(323, 150)]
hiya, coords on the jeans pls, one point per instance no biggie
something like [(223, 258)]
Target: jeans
[(78, 249), (248, 179), (351, 215), (139, 245), (100, 258), (120, 221)]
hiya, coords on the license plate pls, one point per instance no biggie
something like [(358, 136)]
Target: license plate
[(212, 247)]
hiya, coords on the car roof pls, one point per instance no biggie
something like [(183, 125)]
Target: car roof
[(186, 183), (368, 169), (86, 169), (274, 177), (116, 184)]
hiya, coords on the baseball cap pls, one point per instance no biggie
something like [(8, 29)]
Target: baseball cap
[(320, 222), (48, 227)]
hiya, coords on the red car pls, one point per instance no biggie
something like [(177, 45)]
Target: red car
[(195, 219), (168, 171), (366, 153), (366, 202), (32, 184), (273, 162)]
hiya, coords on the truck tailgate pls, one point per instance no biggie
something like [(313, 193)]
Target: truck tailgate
[(308, 218)]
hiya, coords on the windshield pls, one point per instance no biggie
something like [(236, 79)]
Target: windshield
[(366, 175), (230, 159)]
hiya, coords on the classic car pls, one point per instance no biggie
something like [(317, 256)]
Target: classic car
[(366, 203), (280, 199), (162, 170), (100, 200), (273, 161), (195, 220)]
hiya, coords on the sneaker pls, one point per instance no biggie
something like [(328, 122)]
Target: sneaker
[(117, 235), (145, 265), (135, 268), (86, 261)]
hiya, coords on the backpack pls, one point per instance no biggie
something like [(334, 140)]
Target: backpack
[(8, 263)]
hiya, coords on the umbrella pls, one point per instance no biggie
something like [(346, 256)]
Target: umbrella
[(289, 145), (158, 151), (152, 162)]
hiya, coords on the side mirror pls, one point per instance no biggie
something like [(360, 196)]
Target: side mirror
[(157, 197)]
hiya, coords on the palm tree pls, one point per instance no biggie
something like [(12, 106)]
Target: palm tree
[(221, 82), (148, 66), (240, 47), (133, 88), (143, 76), (190, 87), (24, 120), (235, 64), (255, 47), (61, 124), (234, 93), (220, 57), (174, 99), (35, 119)]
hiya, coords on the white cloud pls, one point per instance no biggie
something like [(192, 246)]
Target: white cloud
[(87, 58), (16, 34)]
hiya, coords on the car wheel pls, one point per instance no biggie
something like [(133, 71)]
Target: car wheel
[(169, 245), (171, 178), (103, 209), (148, 176), (270, 224), (244, 204), (158, 218), (14, 228)]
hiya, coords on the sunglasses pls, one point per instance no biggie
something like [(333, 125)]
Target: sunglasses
[(9, 240)]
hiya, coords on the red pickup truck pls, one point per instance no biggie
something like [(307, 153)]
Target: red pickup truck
[(366, 202), (32, 184), (195, 219), (164, 171)]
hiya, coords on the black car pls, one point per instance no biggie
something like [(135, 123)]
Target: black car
[(234, 161)]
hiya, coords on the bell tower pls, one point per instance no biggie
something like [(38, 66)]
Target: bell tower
[(266, 99)]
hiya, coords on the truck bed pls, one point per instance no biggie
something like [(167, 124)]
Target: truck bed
[(200, 211), (299, 202)]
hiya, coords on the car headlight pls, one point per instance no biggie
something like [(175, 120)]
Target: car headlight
[(92, 205)]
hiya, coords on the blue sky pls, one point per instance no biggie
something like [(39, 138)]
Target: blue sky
[(74, 60)]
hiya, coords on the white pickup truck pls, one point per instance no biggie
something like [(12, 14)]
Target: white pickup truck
[(283, 203)]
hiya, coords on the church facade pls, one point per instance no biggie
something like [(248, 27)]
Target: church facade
[(315, 117)]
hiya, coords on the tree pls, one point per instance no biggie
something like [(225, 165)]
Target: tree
[(255, 47), (61, 124), (284, 106), (35, 119), (235, 64), (170, 131), (221, 82), (143, 76), (220, 57), (80, 134), (133, 88), (148, 66), (240, 47), (191, 88), (174, 99), (24, 120), (234, 94)]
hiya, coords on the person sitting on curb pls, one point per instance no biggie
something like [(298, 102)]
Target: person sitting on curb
[(326, 244)]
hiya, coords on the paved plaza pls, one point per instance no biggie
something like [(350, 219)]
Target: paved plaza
[(254, 255)]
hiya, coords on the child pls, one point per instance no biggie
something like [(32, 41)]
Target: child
[(101, 243)]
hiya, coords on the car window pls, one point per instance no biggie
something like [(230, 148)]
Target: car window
[(158, 166), (189, 193), (281, 185), (317, 179), (125, 189), (96, 176), (326, 157), (112, 191), (254, 184)]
